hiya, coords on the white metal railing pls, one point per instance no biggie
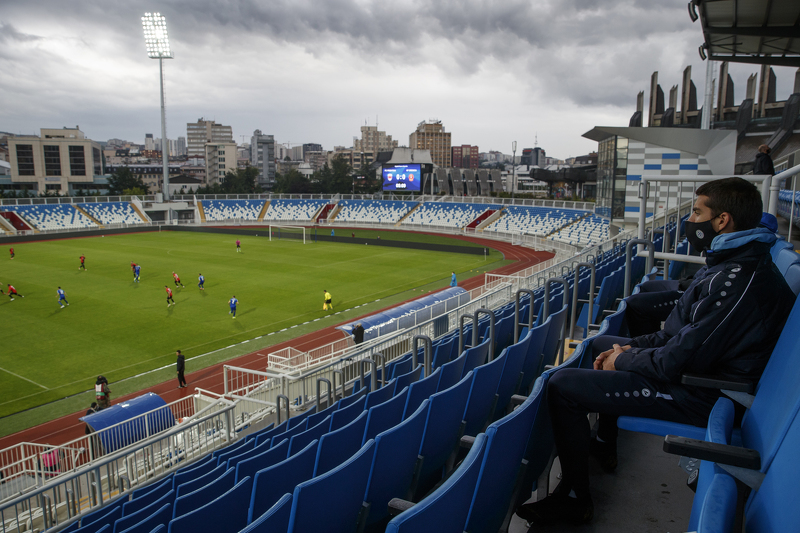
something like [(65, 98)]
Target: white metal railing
[(77, 493), (32, 464), (299, 385)]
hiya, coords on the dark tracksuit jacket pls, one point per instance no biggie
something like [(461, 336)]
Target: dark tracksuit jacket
[(725, 324)]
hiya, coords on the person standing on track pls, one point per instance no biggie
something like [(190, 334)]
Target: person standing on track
[(233, 301), (169, 296), (453, 282), (83, 262), (62, 298), (181, 366), (327, 300), (102, 393)]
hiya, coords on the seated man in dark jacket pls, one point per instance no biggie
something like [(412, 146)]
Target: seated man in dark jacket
[(726, 323)]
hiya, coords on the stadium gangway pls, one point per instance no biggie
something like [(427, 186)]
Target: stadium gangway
[(29, 465), (87, 488)]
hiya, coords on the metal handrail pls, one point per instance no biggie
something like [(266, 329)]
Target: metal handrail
[(628, 266), (574, 310), (427, 353), (517, 308)]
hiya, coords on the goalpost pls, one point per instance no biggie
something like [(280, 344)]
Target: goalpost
[(297, 233), (517, 239)]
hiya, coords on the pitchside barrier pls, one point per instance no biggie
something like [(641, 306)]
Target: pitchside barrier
[(84, 490)]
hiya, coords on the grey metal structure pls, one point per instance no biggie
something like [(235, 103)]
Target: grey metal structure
[(469, 178), (483, 182), (457, 181)]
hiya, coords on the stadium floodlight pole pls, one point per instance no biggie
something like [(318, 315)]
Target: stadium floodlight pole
[(156, 39), (513, 169)]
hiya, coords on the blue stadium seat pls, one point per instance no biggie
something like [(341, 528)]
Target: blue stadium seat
[(482, 398), (340, 444), (379, 396), (225, 514), (144, 500), (420, 391), (94, 522), (405, 380), (129, 520), (255, 450), (532, 365), (385, 416), (301, 440), (316, 418), (159, 518), (275, 519), (402, 366), (194, 470), (301, 418), (445, 509), (513, 358), (273, 455), (506, 442), (396, 457), (201, 481), (451, 373), (345, 415), (271, 483), (233, 450), (476, 356), (332, 502), (443, 429), (187, 502)]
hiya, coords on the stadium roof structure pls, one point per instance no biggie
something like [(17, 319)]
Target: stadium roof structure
[(749, 31)]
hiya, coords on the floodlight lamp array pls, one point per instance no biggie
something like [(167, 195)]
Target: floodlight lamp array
[(156, 38)]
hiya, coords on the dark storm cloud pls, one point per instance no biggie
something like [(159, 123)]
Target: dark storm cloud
[(307, 63)]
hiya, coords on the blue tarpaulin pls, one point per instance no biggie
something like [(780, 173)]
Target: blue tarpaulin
[(409, 313), (130, 427)]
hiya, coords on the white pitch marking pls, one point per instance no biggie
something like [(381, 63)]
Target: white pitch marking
[(26, 379)]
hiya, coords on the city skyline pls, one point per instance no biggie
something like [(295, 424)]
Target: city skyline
[(316, 72)]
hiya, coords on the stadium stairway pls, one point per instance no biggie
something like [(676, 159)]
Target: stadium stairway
[(87, 215), (495, 215), (263, 211), (200, 210), (410, 212)]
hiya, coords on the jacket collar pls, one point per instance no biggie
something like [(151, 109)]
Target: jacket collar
[(727, 245)]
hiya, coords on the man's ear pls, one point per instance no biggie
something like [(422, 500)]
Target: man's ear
[(725, 223)]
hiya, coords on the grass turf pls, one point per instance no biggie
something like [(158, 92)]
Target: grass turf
[(119, 328)]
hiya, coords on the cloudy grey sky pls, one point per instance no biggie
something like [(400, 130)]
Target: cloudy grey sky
[(493, 71)]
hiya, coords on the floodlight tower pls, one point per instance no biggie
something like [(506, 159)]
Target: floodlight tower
[(157, 41)]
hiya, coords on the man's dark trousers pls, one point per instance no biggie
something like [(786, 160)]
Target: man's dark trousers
[(573, 393)]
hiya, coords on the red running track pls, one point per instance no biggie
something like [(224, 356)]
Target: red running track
[(67, 428)]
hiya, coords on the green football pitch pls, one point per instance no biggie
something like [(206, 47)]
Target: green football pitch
[(119, 328)]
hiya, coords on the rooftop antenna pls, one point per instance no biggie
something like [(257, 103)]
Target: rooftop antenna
[(536, 140)]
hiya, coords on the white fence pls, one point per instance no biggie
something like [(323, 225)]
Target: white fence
[(80, 492)]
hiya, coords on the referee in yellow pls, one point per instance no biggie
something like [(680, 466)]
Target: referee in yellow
[(327, 301)]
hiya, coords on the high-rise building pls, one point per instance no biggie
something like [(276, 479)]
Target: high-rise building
[(149, 142), (312, 147), (533, 157), (262, 156), (220, 159), (372, 141), (181, 146), (206, 131), (465, 156), (297, 153), (431, 135)]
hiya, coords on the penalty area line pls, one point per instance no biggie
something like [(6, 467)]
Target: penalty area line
[(26, 379)]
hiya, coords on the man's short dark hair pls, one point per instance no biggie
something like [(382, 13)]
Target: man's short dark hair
[(735, 196)]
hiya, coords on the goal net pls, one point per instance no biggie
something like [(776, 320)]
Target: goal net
[(297, 233), (517, 239)]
